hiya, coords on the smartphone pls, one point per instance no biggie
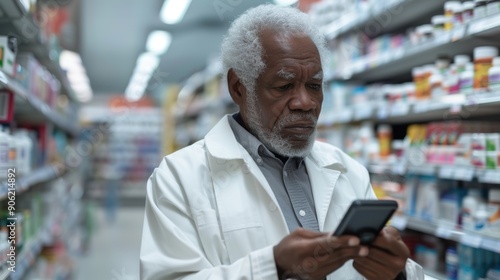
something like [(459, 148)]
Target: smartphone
[(366, 218)]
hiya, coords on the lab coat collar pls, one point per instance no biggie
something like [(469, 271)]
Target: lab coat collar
[(221, 143), (326, 160)]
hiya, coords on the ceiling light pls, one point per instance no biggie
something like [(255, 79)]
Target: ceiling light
[(158, 42), (285, 2), (147, 62), (69, 59), (173, 11)]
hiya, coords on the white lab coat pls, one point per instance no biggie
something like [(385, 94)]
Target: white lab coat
[(210, 213)]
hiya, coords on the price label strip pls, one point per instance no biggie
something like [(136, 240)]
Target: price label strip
[(400, 109), (446, 172), (484, 24), (458, 33), (472, 240), (491, 245), (464, 173), (490, 176)]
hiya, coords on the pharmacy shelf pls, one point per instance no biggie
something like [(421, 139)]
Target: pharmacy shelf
[(475, 239), (384, 17), (36, 177), (17, 21), (448, 107), (399, 62), (449, 172), (41, 113), (29, 253)]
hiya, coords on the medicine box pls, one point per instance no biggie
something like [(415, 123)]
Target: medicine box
[(8, 51)]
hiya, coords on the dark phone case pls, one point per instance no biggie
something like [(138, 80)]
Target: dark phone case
[(366, 218)]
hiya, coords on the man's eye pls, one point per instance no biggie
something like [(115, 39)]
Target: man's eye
[(284, 88), (315, 86)]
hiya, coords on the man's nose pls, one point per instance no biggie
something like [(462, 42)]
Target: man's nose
[(302, 100)]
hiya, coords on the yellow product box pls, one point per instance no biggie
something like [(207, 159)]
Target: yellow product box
[(8, 51)]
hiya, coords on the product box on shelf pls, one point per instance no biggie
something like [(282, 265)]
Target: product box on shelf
[(37, 79), (8, 51), (6, 106)]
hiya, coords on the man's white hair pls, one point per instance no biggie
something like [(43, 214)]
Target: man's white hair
[(242, 49)]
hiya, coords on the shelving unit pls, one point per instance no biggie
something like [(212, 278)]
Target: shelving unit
[(364, 69), (449, 172), (47, 198), (476, 105), (448, 231), (385, 17), (41, 175), (20, 23), (460, 40), (30, 109)]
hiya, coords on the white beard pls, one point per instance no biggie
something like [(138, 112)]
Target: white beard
[(272, 138)]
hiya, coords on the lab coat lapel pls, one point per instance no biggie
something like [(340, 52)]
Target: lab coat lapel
[(226, 155), (323, 181)]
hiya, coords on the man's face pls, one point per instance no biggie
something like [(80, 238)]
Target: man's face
[(284, 109)]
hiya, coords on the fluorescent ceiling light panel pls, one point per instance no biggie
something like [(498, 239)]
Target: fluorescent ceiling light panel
[(285, 2), (158, 42), (69, 59), (173, 11), (147, 62)]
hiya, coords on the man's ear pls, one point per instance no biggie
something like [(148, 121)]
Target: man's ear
[(236, 88)]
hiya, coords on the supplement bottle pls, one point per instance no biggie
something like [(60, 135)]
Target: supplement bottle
[(470, 204), (483, 61), (468, 11), (384, 134), (479, 8), (494, 75), (492, 7), (449, 9), (467, 79)]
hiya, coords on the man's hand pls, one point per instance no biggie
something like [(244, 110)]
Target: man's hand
[(312, 255), (386, 258)]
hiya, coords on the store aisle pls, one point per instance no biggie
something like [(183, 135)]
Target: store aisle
[(113, 253)]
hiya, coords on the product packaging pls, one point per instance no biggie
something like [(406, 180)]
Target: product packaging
[(8, 51), (470, 204), (483, 61), (494, 211), (6, 106), (427, 198), (494, 75)]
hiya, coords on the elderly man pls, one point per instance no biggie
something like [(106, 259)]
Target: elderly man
[(257, 197)]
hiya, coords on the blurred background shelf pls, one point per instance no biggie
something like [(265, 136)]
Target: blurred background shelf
[(32, 110)]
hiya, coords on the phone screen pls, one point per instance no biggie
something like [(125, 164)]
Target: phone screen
[(366, 218)]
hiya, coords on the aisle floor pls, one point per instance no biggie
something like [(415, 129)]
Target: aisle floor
[(113, 252)]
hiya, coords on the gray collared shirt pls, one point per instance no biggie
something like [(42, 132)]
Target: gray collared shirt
[(289, 181)]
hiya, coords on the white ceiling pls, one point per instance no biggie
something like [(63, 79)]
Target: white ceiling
[(113, 33)]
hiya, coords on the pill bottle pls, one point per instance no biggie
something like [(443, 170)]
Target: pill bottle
[(494, 75), (460, 61), (438, 23), (467, 79), (384, 133), (483, 61), (449, 10), (492, 7), (468, 11), (427, 71), (457, 14), (417, 74), (479, 8)]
